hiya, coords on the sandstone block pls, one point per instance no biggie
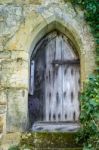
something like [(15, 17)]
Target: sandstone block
[(17, 111), (1, 124), (14, 74), (3, 97)]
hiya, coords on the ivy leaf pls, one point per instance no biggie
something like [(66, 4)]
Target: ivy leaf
[(93, 103), (96, 115)]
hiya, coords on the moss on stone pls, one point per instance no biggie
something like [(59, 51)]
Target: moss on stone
[(49, 140)]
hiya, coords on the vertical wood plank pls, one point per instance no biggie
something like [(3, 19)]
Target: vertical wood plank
[(70, 84), (49, 81), (39, 80), (58, 79), (77, 91), (31, 88)]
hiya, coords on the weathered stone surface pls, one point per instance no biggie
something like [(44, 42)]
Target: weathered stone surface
[(3, 97), (20, 2), (4, 55), (35, 2), (20, 39), (1, 124), (2, 108), (1, 43), (13, 55), (10, 139), (17, 109), (14, 73), (11, 17)]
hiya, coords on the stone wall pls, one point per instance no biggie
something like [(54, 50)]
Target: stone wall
[(22, 25)]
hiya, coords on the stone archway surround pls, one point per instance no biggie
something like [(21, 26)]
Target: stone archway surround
[(38, 21)]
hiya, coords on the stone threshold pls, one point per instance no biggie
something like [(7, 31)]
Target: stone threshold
[(56, 126), (57, 149)]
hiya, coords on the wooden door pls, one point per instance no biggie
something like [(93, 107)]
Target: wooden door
[(57, 79)]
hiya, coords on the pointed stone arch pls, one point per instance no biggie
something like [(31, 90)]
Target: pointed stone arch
[(31, 31)]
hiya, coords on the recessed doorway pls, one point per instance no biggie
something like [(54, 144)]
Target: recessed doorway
[(54, 84)]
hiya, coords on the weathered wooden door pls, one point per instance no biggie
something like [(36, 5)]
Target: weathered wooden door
[(57, 79)]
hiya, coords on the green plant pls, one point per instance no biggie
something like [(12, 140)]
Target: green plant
[(14, 148), (89, 118)]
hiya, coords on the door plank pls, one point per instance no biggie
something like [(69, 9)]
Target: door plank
[(31, 88), (49, 82), (70, 84), (58, 79), (39, 81)]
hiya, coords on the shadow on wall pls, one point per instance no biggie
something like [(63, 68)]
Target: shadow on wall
[(34, 106)]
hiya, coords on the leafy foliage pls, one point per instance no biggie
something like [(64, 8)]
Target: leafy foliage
[(89, 118), (14, 148)]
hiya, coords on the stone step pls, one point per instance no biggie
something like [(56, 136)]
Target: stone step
[(56, 126), (58, 149), (52, 141)]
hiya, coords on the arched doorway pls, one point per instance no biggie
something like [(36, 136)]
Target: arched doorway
[(54, 82)]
